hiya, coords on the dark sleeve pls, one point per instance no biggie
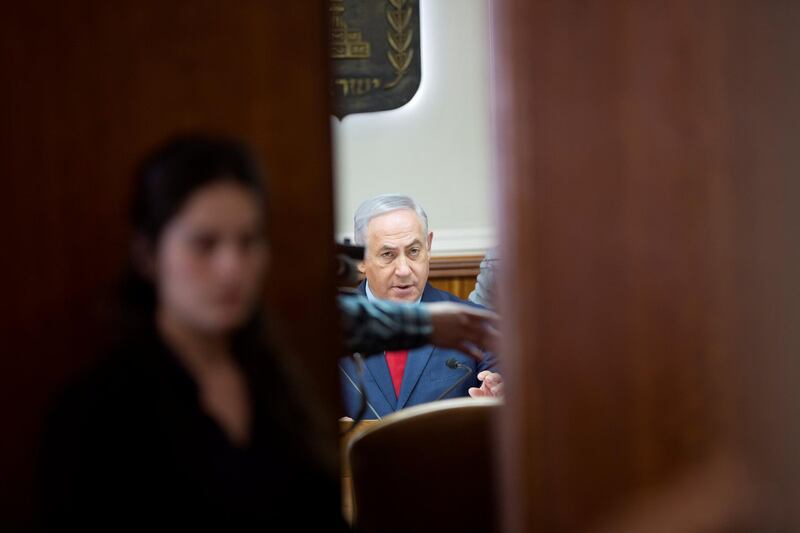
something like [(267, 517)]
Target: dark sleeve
[(73, 476), (372, 327)]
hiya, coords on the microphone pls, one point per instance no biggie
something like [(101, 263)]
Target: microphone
[(363, 397), (454, 364)]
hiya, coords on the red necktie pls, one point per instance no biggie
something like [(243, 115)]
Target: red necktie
[(397, 365)]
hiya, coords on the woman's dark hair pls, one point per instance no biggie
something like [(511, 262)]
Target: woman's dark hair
[(167, 177), (164, 181)]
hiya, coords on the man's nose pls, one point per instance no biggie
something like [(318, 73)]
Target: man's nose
[(402, 269)]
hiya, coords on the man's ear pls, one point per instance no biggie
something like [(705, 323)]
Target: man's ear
[(362, 267), (430, 240)]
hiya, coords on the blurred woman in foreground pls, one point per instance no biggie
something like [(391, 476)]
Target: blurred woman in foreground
[(189, 422)]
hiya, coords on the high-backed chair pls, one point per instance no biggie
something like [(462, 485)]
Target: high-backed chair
[(427, 468)]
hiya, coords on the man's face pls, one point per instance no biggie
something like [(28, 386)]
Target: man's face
[(397, 256)]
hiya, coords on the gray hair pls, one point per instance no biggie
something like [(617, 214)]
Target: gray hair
[(380, 205)]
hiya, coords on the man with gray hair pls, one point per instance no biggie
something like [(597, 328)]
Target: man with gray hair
[(394, 231)]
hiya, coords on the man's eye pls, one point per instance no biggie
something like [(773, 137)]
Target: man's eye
[(387, 255), (414, 251)]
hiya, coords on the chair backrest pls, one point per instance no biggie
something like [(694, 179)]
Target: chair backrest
[(427, 468)]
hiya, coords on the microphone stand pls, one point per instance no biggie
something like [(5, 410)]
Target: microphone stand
[(452, 363)]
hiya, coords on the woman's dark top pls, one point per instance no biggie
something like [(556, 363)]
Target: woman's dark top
[(130, 448)]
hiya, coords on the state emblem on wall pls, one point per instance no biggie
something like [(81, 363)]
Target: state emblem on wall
[(375, 54)]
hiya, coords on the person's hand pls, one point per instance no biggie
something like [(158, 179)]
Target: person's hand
[(492, 385), (462, 327)]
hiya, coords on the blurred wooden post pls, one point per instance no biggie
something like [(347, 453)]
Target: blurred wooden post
[(648, 160)]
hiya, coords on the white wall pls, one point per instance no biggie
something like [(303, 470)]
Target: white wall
[(436, 147)]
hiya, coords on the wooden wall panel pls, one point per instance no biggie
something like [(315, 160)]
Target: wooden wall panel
[(455, 274), (461, 286), (89, 86), (648, 168)]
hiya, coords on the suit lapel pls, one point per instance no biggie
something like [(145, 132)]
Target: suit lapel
[(416, 363), (376, 365), (429, 294)]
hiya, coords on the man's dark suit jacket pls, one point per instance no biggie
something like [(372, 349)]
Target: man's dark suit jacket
[(426, 374)]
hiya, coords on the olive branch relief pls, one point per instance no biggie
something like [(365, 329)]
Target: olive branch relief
[(399, 35)]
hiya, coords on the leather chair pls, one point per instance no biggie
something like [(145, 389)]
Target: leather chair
[(427, 468)]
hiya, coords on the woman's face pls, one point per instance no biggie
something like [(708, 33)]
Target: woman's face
[(211, 259)]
